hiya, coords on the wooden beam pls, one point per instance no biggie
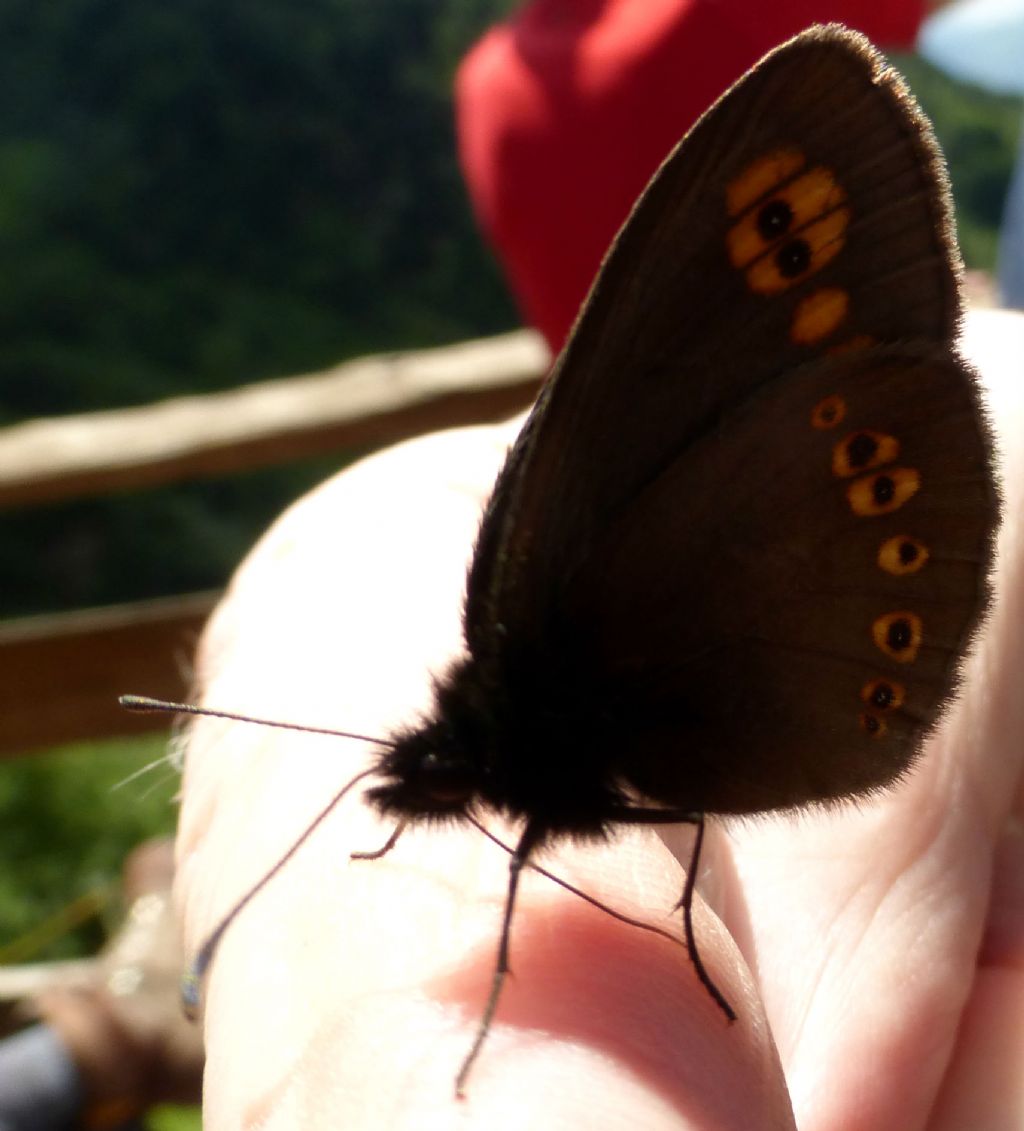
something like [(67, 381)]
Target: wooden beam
[(25, 981), (368, 402), (61, 674)]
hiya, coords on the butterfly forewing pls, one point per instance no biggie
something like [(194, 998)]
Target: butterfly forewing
[(690, 313)]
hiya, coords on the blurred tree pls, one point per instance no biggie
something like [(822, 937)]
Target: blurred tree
[(213, 191), (205, 193)]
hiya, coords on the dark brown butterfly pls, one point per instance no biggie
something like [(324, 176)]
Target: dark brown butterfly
[(737, 552)]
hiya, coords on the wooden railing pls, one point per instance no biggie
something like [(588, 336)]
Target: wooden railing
[(60, 674)]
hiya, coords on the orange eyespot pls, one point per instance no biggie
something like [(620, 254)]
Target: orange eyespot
[(828, 413), (782, 238), (788, 212), (863, 450), (819, 315), (872, 725), (898, 635), (803, 255), (760, 177), (883, 492), (883, 694), (902, 555)]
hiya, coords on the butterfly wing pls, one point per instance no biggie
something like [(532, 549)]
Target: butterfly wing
[(691, 314), (792, 593), (671, 504)]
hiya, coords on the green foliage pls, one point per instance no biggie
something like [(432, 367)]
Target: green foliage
[(178, 539), (212, 191), (205, 193), (67, 820), (174, 1119), (202, 194), (979, 133)]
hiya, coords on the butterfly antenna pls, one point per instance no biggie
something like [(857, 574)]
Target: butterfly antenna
[(143, 705), (191, 983), (622, 918)]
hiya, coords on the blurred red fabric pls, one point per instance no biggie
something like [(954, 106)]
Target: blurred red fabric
[(566, 110)]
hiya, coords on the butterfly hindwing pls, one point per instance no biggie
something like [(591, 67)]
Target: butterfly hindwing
[(784, 606)]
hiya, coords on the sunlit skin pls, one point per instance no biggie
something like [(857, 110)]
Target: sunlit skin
[(348, 992)]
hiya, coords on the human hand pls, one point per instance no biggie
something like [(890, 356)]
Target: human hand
[(347, 993)]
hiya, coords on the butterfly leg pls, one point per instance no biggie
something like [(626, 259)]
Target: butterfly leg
[(385, 848), (685, 904), (639, 816), (532, 836)]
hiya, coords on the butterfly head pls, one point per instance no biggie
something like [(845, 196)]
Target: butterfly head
[(425, 774)]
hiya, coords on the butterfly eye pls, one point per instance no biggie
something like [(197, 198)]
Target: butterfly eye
[(446, 780)]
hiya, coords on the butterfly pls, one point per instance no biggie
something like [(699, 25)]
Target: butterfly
[(734, 558)]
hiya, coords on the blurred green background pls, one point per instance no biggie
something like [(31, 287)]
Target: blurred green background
[(198, 195), (202, 194)]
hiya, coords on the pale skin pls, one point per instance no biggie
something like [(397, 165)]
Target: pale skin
[(874, 955)]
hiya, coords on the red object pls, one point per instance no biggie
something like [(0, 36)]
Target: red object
[(565, 111)]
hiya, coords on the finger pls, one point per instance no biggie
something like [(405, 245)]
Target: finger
[(875, 912), (369, 979), (989, 744), (983, 1085), (351, 991)]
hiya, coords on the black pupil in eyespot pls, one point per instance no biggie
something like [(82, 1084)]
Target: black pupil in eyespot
[(882, 696), (908, 553), (861, 450), (793, 259), (899, 635), (774, 219), (884, 489)]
